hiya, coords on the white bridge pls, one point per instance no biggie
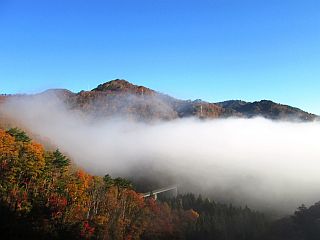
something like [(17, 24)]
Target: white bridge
[(154, 193)]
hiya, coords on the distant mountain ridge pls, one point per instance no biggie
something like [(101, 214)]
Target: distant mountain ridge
[(122, 98), (267, 109)]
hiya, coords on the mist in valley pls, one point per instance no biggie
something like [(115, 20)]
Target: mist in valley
[(268, 165)]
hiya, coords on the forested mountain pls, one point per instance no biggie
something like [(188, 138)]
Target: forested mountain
[(42, 196), (121, 98), (267, 109)]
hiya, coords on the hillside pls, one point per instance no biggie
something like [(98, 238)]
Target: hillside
[(121, 98), (267, 109)]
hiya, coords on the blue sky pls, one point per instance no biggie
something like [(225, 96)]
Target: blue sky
[(209, 49)]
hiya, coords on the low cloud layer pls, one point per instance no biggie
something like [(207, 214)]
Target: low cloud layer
[(262, 163)]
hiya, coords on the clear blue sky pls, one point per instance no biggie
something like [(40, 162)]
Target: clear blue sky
[(209, 49)]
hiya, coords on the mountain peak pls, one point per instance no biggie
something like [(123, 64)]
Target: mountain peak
[(113, 84), (121, 85)]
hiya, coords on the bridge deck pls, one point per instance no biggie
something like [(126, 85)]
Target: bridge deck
[(160, 190)]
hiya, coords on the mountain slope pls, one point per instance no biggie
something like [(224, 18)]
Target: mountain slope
[(267, 109), (123, 99)]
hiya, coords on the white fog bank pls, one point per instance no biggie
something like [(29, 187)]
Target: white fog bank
[(262, 163)]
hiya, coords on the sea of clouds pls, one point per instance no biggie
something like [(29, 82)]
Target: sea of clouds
[(270, 165)]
